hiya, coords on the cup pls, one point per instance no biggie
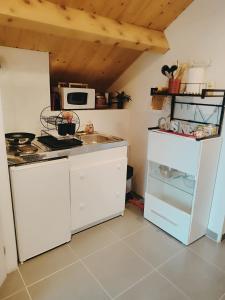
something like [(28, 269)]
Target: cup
[(62, 129), (66, 128), (71, 128)]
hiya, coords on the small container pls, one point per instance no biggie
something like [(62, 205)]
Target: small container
[(157, 102), (89, 127), (174, 86), (71, 128), (66, 128)]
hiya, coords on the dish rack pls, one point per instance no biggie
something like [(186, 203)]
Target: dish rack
[(50, 121)]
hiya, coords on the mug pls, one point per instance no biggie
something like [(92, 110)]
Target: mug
[(62, 129)]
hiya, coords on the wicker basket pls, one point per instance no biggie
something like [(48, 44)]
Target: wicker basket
[(157, 102)]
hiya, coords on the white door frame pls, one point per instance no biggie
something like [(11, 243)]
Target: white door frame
[(6, 212), (2, 259)]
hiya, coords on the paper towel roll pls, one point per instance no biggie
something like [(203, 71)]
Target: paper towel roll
[(195, 75)]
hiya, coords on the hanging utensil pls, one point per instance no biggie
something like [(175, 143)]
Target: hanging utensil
[(173, 68), (166, 71)]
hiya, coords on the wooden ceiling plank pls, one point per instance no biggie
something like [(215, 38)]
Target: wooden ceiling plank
[(82, 61), (168, 13), (138, 12), (44, 16)]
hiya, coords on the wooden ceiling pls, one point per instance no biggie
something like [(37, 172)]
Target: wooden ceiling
[(97, 64)]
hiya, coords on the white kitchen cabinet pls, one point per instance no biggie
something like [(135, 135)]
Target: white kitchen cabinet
[(98, 186), (41, 203), (180, 183)]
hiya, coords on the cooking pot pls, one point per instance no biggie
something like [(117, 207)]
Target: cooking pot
[(19, 138)]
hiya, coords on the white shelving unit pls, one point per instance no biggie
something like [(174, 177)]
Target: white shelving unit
[(180, 183)]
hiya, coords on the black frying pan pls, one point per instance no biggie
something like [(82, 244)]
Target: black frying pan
[(19, 138)]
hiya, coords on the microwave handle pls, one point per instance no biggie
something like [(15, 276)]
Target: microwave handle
[(78, 85)]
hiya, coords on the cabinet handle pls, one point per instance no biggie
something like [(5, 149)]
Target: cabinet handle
[(163, 217)]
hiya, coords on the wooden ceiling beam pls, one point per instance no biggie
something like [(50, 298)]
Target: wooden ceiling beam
[(58, 20)]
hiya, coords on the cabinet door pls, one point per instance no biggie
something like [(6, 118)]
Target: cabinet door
[(174, 151), (97, 191)]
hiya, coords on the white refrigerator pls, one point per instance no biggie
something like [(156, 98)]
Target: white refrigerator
[(41, 203)]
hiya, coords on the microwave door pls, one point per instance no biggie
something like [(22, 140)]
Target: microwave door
[(77, 99), (74, 98)]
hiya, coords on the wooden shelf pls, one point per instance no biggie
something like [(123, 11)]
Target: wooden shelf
[(155, 92)]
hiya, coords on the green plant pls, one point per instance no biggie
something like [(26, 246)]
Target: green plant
[(123, 97)]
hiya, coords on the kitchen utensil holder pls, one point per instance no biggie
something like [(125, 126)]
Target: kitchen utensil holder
[(174, 86), (157, 102)]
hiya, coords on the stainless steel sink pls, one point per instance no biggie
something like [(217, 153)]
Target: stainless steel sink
[(97, 138)]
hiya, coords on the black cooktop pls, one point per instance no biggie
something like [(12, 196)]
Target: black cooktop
[(55, 144)]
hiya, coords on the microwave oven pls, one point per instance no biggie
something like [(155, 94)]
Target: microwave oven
[(77, 98)]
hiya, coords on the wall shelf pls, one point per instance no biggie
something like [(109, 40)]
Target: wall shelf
[(206, 93)]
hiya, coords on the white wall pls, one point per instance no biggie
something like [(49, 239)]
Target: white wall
[(24, 81), (113, 121), (198, 33), (6, 214)]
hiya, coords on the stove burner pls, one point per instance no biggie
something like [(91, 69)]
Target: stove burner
[(20, 150), (27, 149)]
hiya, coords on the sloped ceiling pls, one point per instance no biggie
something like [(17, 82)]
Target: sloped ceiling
[(82, 61)]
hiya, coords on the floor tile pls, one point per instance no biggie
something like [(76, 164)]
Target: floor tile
[(92, 239), (223, 297), (154, 287), (12, 284), (47, 263), (117, 267), (210, 250), (154, 245), (127, 224), (73, 283), (132, 208), (197, 278), (20, 296)]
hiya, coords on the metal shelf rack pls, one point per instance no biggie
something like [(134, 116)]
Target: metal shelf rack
[(206, 93)]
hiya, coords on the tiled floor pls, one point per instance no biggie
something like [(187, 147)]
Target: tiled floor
[(126, 258)]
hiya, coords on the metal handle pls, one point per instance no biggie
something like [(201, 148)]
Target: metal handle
[(77, 85)]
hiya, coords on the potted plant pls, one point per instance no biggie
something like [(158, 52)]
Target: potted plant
[(122, 97)]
